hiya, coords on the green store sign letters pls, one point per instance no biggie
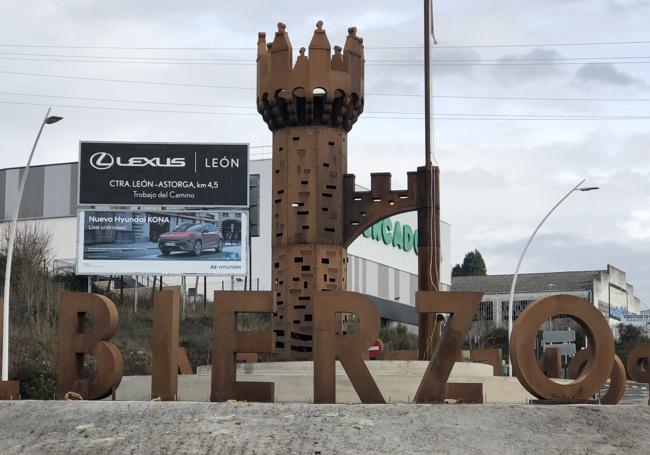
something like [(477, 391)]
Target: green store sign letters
[(396, 234)]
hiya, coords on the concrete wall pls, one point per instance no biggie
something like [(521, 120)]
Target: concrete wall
[(397, 380)]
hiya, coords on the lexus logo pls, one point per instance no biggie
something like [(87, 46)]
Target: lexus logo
[(102, 161)]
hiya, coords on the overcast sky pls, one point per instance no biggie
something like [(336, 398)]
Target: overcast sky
[(499, 177)]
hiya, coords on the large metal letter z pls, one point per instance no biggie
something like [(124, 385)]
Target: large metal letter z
[(462, 307)]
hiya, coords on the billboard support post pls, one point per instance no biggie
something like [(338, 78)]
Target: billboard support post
[(135, 295), (184, 296)]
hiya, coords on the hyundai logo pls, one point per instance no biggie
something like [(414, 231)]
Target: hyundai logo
[(102, 161)]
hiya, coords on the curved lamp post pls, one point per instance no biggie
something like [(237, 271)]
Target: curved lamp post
[(523, 253), (48, 120)]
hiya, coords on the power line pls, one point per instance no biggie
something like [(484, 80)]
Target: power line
[(127, 81), (212, 48), (441, 116), (252, 61), (180, 84), (223, 106), (397, 63)]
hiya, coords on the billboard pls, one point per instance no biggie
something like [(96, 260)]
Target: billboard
[(161, 243), (163, 174)]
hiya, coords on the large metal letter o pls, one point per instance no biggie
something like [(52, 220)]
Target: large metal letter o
[(638, 363), (599, 336)]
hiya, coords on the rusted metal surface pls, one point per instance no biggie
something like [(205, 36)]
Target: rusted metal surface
[(86, 323), (428, 250), (577, 364), (464, 393), (184, 365), (462, 307), (362, 209), (164, 345), (246, 357), (617, 378), (228, 341), (330, 345), (599, 336), (551, 363), (310, 107), (401, 354), (9, 390), (490, 356), (638, 363)]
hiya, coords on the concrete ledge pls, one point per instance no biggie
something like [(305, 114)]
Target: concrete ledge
[(397, 380), (64, 428)]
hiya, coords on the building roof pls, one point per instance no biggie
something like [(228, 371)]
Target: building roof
[(526, 282)]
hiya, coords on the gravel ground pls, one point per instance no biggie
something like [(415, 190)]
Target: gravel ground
[(49, 427)]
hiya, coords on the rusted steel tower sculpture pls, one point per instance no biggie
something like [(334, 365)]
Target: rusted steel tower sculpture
[(310, 107)]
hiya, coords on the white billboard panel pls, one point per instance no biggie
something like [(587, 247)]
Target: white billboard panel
[(162, 243)]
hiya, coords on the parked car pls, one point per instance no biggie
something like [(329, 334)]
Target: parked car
[(191, 237)]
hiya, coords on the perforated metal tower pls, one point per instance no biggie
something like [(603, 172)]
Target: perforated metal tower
[(310, 107)]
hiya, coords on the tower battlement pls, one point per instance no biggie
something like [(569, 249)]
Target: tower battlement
[(320, 89)]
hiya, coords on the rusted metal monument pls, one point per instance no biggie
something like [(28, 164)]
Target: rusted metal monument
[(310, 107)]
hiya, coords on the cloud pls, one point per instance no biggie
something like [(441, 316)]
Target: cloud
[(606, 73)]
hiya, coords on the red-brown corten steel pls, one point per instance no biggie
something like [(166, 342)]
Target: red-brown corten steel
[(462, 307), (86, 323), (617, 378), (492, 357), (164, 346), (310, 106), (227, 341), (600, 356), (638, 364), (551, 363)]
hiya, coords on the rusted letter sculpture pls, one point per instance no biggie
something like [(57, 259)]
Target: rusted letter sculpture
[(490, 356), (86, 323), (228, 341), (551, 363), (462, 306), (349, 349), (638, 364), (601, 353), (617, 378), (164, 346)]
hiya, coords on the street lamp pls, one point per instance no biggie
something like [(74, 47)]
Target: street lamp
[(523, 253), (48, 120)]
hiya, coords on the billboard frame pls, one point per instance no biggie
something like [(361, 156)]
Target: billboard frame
[(80, 248), (173, 207)]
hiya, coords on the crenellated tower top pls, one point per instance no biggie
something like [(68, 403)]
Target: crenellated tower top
[(321, 89)]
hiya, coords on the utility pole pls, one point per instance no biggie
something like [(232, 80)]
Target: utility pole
[(429, 211)]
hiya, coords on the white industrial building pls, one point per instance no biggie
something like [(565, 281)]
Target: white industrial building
[(606, 289)]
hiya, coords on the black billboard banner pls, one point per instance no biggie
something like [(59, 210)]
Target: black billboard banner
[(163, 174)]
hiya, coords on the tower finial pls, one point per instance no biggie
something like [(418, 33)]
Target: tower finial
[(281, 27), (319, 26)]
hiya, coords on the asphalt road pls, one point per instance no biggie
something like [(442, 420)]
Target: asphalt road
[(635, 393)]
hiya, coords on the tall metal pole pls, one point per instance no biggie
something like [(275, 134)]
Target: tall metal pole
[(427, 82), (429, 208), (10, 253), (521, 259)]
